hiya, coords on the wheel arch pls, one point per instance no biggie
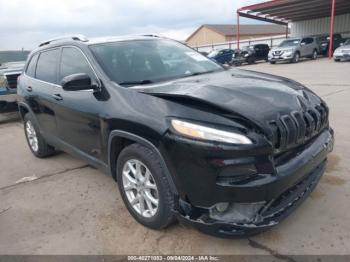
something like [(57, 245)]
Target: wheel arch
[(119, 139), (25, 109)]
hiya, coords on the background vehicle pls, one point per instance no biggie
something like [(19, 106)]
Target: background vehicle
[(342, 52), (293, 49), (204, 53), (12, 63), (179, 133), (325, 40), (223, 56), (250, 54)]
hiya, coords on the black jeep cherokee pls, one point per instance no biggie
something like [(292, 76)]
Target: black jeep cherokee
[(232, 152)]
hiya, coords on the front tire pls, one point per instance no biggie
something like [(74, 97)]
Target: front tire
[(35, 140), (314, 55), (250, 60), (337, 60), (144, 187), (296, 58), (272, 62)]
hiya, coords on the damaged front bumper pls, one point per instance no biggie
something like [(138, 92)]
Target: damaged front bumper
[(270, 214), (257, 204)]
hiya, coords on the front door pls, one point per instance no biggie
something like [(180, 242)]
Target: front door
[(76, 114)]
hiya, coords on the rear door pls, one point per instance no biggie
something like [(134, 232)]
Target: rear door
[(39, 87), (77, 119)]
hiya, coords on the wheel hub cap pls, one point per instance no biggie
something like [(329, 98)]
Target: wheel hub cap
[(140, 188), (32, 137)]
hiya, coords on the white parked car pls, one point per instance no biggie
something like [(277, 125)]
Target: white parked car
[(342, 52)]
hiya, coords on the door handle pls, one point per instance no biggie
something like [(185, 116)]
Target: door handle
[(57, 97), (29, 88)]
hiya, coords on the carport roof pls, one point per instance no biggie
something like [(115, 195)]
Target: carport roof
[(285, 11)]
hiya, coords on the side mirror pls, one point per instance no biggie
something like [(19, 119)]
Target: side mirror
[(77, 82)]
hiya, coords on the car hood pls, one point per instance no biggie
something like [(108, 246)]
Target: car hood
[(344, 47), (283, 48), (259, 97)]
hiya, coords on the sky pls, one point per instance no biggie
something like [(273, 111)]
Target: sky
[(25, 23)]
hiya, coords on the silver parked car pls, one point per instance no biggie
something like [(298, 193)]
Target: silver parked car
[(342, 52), (293, 49)]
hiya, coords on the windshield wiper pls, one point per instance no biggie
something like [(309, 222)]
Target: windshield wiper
[(130, 83), (201, 73)]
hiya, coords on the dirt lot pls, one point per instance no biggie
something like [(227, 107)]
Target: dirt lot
[(62, 206)]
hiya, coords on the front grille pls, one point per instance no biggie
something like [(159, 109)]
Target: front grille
[(12, 80), (278, 52), (298, 127)]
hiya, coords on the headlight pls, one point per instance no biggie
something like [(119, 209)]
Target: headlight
[(3, 81), (246, 55), (207, 133)]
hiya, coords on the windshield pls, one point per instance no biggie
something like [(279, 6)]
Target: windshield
[(247, 48), (292, 42), (13, 56), (149, 61), (347, 42)]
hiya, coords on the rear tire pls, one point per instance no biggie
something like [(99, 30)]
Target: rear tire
[(337, 60), (314, 55), (133, 187), (35, 140), (272, 62)]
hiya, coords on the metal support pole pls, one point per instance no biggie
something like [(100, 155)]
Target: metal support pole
[(330, 51), (287, 31), (238, 31)]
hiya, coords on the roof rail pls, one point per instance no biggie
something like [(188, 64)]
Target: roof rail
[(81, 38)]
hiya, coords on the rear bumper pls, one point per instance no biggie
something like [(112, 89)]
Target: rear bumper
[(279, 190)]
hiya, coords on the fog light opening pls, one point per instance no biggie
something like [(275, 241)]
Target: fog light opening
[(222, 207)]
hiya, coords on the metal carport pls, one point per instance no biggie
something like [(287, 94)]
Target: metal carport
[(284, 12)]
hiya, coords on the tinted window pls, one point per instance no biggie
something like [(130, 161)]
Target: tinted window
[(31, 66), (74, 62), (46, 67), (309, 40)]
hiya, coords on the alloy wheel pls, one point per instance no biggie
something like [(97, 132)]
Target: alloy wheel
[(140, 188), (32, 136)]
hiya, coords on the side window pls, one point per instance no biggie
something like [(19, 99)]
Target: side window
[(304, 41), (310, 40), (74, 62), (47, 64), (32, 66)]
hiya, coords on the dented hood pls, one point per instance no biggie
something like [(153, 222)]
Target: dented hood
[(258, 97)]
